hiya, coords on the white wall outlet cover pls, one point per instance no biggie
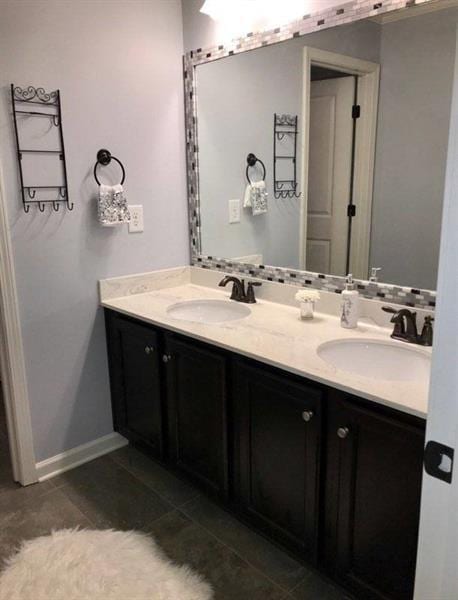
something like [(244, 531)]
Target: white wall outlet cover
[(234, 211), (136, 218)]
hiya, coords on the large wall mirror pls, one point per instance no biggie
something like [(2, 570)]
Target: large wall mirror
[(349, 126)]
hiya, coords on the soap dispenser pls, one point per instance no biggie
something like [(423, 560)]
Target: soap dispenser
[(350, 305)]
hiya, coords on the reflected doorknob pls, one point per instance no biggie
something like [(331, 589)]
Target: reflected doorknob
[(343, 432), (307, 415), (166, 358), (149, 349)]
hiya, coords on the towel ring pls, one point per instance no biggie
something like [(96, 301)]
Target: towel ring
[(104, 158), (251, 160)]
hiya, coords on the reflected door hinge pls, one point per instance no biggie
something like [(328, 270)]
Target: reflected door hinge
[(351, 210), (356, 111)]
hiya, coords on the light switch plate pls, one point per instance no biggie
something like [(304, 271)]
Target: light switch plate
[(234, 211), (136, 218)]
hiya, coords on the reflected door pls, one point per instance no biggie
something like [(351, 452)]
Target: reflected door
[(330, 155)]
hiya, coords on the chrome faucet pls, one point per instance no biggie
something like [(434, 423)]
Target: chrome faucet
[(405, 327), (238, 289)]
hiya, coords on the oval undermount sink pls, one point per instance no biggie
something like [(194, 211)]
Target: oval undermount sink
[(377, 359), (208, 311)]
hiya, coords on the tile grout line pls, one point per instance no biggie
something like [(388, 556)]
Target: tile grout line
[(131, 472), (324, 578), (178, 508), (90, 521), (223, 543)]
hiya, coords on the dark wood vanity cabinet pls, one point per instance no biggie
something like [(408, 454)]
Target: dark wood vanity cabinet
[(196, 408), (333, 478), (277, 438), (134, 361), (372, 490)]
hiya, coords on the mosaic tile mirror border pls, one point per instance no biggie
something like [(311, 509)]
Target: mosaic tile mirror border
[(338, 15)]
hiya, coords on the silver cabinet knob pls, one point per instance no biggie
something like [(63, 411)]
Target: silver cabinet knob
[(149, 349), (342, 432), (307, 415), (166, 358)]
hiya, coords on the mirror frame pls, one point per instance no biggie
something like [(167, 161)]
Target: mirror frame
[(341, 14)]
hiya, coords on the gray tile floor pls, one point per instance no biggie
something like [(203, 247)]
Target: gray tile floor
[(125, 490)]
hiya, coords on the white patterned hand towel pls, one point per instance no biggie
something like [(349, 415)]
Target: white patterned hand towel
[(256, 197), (113, 209)]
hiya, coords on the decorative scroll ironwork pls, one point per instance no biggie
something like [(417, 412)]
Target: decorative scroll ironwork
[(286, 120), (286, 125), (30, 94), (20, 97)]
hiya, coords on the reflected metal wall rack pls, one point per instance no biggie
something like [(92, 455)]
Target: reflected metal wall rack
[(21, 99), (286, 125)]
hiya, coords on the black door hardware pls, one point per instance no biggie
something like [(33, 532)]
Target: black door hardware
[(438, 461)]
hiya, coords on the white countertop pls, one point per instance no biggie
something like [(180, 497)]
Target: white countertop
[(274, 334)]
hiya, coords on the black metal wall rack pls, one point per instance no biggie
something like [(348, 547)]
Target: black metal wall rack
[(22, 99), (286, 125)]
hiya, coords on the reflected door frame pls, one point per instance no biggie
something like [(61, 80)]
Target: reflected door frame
[(368, 86)]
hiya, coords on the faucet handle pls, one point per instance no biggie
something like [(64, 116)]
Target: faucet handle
[(426, 336), (250, 297), (374, 274), (388, 309), (397, 319)]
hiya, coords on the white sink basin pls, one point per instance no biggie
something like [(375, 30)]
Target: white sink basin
[(392, 361), (208, 311)]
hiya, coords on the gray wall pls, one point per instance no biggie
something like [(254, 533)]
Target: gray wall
[(236, 100), (118, 66), (417, 58)]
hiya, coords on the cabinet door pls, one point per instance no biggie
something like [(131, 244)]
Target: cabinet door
[(277, 424), (134, 356), (373, 493), (196, 397)]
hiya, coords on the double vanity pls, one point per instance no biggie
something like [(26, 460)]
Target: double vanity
[(310, 433)]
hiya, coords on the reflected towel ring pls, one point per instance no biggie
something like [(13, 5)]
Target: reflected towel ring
[(251, 160), (104, 158)]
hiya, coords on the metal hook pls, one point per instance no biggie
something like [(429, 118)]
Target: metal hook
[(69, 206), (56, 206), (31, 193), (63, 193), (26, 208), (41, 207), (55, 120)]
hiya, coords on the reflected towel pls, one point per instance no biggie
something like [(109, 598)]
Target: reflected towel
[(256, 197), (112, 207)]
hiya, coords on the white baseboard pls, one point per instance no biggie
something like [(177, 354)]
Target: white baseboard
[(77, 456)]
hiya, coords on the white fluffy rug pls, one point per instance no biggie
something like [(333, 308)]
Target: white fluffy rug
[(97, 565)]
